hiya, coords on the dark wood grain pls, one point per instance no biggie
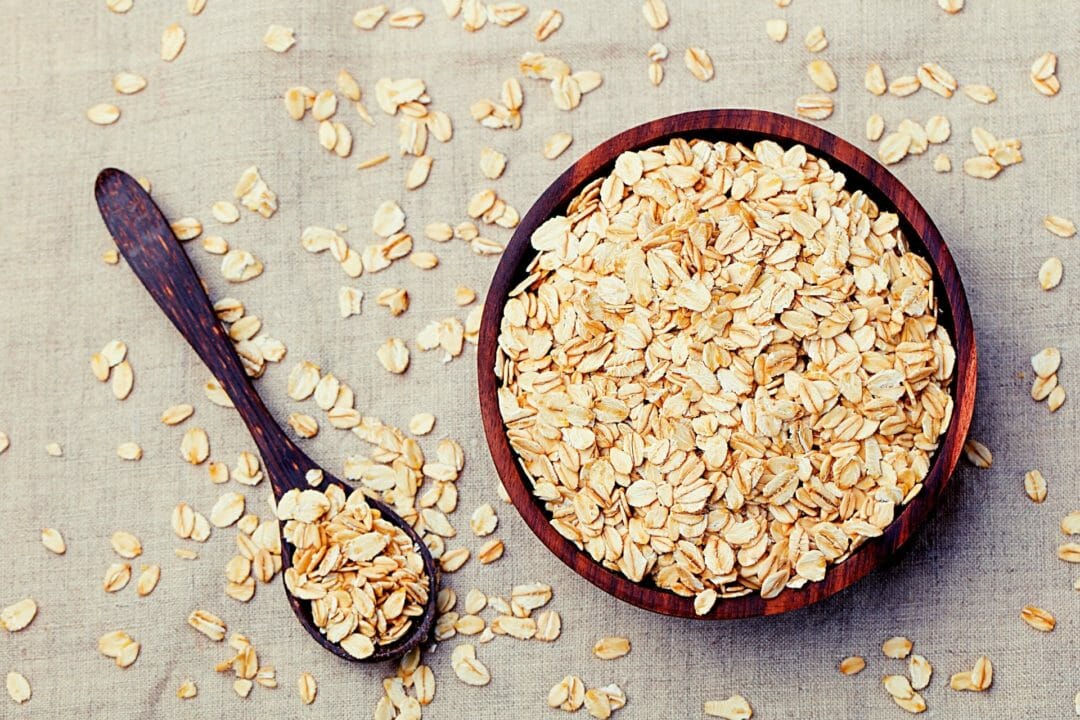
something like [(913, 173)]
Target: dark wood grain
[(862, 173), (156, 257)]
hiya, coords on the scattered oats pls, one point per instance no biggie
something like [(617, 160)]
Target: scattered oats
[(951, 6), (342, 140), (421, 423), (120, 646), (937, 79), (368, 18), (904, 85), (875, 126), (242, 687), (187, 690), (894, 147), (195, 446), (1070, 524), (776, 29), (556, 144), (172, 42), (938, 129), (18, 615), (128, 83), (424, 260), (453, 560), (568, 694), (734, 708), (103, 114), (852, 665), (307, 687), (982, 675), (114, 352), (279, 38), (148, 579), (393, 355), (186, 228), (1055, 399), (388, 219), (209, 625), (406, 18), (1069, 552), (125, 544), (490, 551), (303, 425), (186, 554), (467, 667), (129, 451), (215, 244), (492, 163), (698, 63), (254, 194), (822, 75), (981, 167), (484, 520), (395, 299), (1035, 485), (656, 14), (303, 380), (464, 295), (119, 6), (99, 366), (194, 7), (919, 142), (978, 454), (327, 135), (117, 576), (53, 541), (610, 648), (920, 670), (349, 301), (874, 80), (227, 510), (224, 212), (1036, 617), (1062, 227), (1043, 75), (550, 21), (814, 106), (980, 93), (219, 472), (439, 231), (18, 687), (216, 394), (111, 257), (896, 647), (53, 449), (815, 40), (1050, 273)]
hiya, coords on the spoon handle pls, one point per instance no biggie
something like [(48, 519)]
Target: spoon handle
[(154, 254)]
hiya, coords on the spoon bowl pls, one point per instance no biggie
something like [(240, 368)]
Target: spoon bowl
[(147, 242)]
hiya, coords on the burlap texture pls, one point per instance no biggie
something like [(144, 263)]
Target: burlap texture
[(956, 591)]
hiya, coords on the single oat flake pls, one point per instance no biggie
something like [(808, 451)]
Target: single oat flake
[(734, 708), (172, 42), (18, 687), (978, 454), (279, 38)]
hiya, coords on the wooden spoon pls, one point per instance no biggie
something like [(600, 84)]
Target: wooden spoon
[(154, 254)]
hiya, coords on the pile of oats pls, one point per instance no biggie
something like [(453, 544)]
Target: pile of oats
[(724, 370), (364, 577)]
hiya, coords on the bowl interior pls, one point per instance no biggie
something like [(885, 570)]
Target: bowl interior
[(862, 173)]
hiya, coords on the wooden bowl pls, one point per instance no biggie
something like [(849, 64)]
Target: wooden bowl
[(863, 173)]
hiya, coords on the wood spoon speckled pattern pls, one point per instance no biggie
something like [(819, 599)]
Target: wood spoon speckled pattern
[(154, 254)]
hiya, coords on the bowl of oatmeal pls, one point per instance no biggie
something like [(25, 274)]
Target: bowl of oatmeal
[(726, 365)]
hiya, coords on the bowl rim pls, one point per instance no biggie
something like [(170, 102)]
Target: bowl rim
[(863, 173)]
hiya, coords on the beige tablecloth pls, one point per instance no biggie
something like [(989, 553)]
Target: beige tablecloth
[(217, 109)]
